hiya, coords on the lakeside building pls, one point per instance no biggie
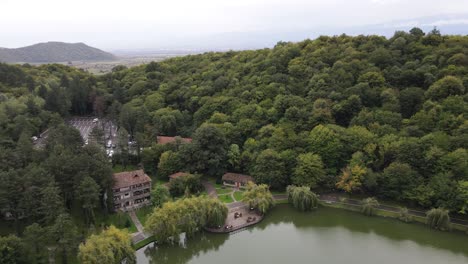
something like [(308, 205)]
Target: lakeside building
[(236, 179), (131, 190)]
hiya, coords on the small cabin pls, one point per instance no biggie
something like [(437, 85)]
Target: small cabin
[(236, 180)]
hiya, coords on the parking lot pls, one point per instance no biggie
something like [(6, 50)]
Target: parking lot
[(85, 125)]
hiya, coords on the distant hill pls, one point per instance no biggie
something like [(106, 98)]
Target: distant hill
[(54, 52)]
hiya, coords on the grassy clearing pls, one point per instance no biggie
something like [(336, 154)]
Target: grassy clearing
[(225, 198), (238, 196), (223, 191), (119, 220), (278, 192), (143, 213)]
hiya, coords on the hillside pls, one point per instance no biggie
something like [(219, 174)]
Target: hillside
[(54, 52)]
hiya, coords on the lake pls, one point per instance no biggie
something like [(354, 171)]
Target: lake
[(327, 236)]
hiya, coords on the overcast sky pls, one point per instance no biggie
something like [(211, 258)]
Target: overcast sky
[(118, 24)]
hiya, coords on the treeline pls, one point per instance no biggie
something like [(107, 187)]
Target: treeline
[(364, 114)]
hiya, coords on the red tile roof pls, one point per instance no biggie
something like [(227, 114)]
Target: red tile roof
[(236, 177), (178, 174), (165, 140), (129, 178)]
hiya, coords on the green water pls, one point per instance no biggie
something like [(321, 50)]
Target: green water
[(328, 236)]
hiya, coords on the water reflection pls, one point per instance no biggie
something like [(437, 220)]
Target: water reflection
[(183, 252)]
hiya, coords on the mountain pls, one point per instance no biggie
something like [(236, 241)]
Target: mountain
[(54, 52)]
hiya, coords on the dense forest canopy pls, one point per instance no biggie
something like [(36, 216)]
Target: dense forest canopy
[(364, 114)]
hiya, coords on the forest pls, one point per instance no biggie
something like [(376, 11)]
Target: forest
[(365, 115)]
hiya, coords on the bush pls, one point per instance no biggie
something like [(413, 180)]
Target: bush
[(369, 206)]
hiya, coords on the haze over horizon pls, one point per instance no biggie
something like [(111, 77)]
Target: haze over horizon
[(210, 24)]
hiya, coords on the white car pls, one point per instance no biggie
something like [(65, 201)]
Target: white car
[(109, 144), (95, 120)]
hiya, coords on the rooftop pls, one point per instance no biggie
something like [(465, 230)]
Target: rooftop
[(129, 178), (236, 177), (165, 140)]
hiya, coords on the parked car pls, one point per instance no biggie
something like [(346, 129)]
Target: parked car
[(109, 144), (95, 120)]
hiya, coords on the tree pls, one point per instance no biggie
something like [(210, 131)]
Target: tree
[(160, 195), (369, 206), (309, 170), (65, 235), (324, 142), (404, 215), (445, 87), (270, 169), (210, 150), (185, 215), (234, 157), (302, 198), (35, 240), (186, 184), (12, 250), (398, 179), (351, 178), (438, 218), (88, 195), (258, 197), (169, 162), (12, 195), (111, 246), (52, 204)]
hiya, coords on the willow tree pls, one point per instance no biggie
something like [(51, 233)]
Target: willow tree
[(258, 197), (302, 198), (438, 218), (187, 216), (112, 246), (369, 205)]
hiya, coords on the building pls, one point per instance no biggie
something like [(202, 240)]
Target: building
[(131, 190), (165, 140), (236, 179), (177, 175)]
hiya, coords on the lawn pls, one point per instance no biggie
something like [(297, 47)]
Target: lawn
[(143, 213), (238, 196), (120, 220), (226, 198), (223, 191)]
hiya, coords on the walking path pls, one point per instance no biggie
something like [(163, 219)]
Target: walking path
[(210, 189), (140, 235)]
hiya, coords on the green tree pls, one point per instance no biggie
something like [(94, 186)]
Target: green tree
[(369, 206), (35, 240), (325, 142), (169, 162), (445, 87), (309, 170), (258, 197), (438, 218), (12, 250), (210, 150), (234, 157), (111, 246), (270, 169), (87, 193), (302, 198), (52, 204), (160, 195), (65, 236)]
